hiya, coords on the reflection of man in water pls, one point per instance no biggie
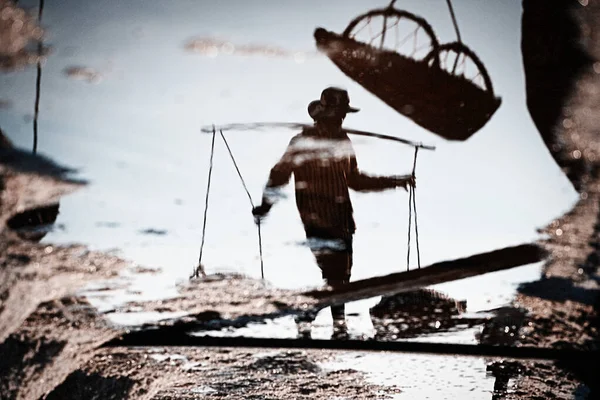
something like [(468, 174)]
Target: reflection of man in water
[(324, 166)]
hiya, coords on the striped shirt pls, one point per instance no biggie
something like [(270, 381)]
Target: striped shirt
[(324, 168)]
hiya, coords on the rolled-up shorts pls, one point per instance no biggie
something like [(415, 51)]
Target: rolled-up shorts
[(333, 255)]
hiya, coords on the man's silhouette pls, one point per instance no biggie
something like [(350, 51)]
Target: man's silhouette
[(324, 165)]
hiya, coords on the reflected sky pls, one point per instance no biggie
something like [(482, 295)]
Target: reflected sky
[(135, 134)]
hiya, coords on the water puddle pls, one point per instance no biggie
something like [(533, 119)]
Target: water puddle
[(424, 377), (162, 192)]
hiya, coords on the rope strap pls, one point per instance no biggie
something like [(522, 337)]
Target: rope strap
[(200, 268), (454, 21), (38, 83), (260, 250), (412, 205)]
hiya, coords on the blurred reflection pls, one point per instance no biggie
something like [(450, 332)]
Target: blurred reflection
[(19, 32), (324, 165), (421, 312), (554, 59), (4, 141), (35, 223), (87, 74), (212, 47)]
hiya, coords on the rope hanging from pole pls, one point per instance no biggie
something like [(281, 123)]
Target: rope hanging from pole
[(412, 207), (260, 251), (456, 29), (385, 25), (38, 82), (200, 268), (453, 16)]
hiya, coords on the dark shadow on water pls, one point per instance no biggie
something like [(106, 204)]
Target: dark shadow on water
[(32, 224), (153, 231), (559, 289), (35, 223), (25, 162)]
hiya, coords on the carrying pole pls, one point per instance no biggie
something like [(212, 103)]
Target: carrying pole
[(298, 125)]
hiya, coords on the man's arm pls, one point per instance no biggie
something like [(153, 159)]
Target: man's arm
[(278, 177), (362, 182)]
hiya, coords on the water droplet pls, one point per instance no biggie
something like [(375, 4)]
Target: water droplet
[(568, 123), (584, 196), (583, 2), (559, 232), (591, 157), (17, 25), (597, 67), (580, 271), (48, 249), (577, 154), (506, 329), (437, 324)]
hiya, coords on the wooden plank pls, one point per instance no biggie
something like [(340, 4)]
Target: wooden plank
[(445, 271), (160, 338)]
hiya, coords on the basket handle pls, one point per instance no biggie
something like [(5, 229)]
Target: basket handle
[(459, 47), (391, 11)]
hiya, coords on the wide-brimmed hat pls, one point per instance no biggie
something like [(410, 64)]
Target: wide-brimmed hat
[(333, 102)]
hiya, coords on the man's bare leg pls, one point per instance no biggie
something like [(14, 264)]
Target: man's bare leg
[(338, 313)]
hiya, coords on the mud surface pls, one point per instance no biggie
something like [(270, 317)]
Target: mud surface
[(226, 297), (57, 338), (179, 373)]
